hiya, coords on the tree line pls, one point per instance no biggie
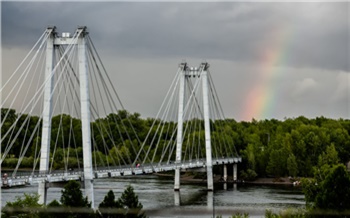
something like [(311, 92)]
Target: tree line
[(289, 147)]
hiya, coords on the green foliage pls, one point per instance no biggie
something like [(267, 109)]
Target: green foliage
[(110, 207), (329, 190), (73, 201), (289, 213), (276, 164), (334, 193), (72, 196), (54, 210), (310, 189), (26, 206), (98, 158), (270, 214), (249, 175), (10, 162), (292, 165), (131, 201), (127, 206), (54, 203), (292, 147), (109, 201), (240, 215), (237, 215), (330, 156)]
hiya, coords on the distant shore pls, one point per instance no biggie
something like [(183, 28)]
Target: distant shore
[(218, 179)]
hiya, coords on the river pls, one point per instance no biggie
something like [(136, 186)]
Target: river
[(159, 200)]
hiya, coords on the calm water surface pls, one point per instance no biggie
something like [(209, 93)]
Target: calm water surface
[(159, 199)]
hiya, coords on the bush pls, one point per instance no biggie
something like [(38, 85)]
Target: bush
[(10, 162), (27, 162), (127, 206), (250, 175), (26, 206)]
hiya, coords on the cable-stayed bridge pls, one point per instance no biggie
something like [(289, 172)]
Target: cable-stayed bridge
[(70, 123)]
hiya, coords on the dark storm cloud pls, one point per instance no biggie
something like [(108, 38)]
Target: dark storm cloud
[(298, 51), (317, 32)]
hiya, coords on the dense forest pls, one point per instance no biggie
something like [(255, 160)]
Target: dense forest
[(289, 147)]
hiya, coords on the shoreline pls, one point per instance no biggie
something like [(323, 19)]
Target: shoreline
[(217, 179)]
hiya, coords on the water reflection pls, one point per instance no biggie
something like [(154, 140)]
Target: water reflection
[(177, 198), (159, 199), (210, 200)]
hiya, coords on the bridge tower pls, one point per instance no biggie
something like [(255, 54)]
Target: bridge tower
[(53, 42), (200, 73)]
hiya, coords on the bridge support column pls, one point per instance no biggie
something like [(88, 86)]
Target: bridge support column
[(210, 202), (234, 172), (225, 172), (85, 116), (42, 191), (204, 67), (177, 179), (183, 67), (47, 113)]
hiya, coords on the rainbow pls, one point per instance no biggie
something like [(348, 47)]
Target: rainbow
[(260, 101)]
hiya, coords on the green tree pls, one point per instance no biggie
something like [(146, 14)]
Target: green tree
[(127, 206), (72, 199), (110, 207), (53, 210), (276, 164), (292, 165), (72, 196), (250, 175), (331, 194), (130, 201), (26, 206), (330, 156), (334, 193)]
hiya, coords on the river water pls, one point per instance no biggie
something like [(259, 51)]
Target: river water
[(159, 200)]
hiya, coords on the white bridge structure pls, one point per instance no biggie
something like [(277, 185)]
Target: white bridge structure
[(66, 101)]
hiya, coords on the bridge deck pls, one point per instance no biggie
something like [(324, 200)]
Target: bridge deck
[(29, 178)]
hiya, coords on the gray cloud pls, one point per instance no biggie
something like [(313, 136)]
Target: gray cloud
[(147, 40), (316, 33)]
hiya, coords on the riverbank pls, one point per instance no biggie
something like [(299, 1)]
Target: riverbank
[(218, 179), (271, 181)]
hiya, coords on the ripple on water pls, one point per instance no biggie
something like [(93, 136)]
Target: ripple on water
[(157, 197)]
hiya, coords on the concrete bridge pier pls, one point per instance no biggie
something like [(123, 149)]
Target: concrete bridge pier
[(225, 173), (225, 176), (234, 172), (42, 191)]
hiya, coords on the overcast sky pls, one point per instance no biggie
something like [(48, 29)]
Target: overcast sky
[(267, 60)]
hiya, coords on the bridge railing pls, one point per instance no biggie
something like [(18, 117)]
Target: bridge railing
[(73, 171), (27, 177)]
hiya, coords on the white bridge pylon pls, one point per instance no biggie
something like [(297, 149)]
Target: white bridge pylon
[(201, 74), (53, 43)]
